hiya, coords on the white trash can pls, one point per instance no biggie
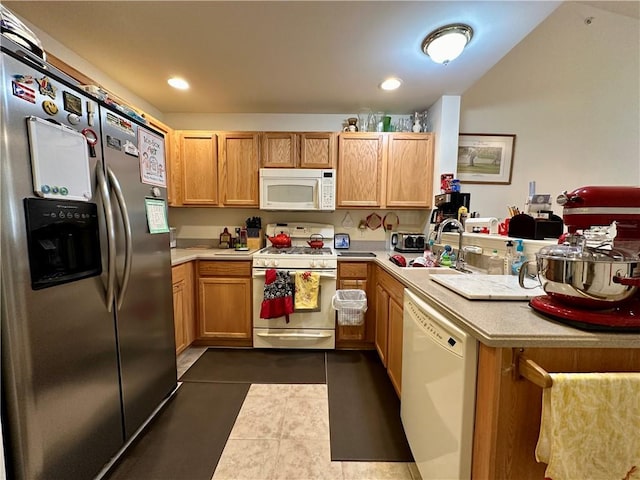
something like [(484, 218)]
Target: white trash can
[(351, 306)]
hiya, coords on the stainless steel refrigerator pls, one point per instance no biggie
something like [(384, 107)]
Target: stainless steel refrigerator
[(88, 349)]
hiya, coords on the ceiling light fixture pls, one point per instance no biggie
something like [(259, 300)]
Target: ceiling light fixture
[(391, 83), (178, 83), (447, 43)]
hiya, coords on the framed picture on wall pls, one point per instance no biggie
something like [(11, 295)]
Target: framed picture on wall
[(485, 158)]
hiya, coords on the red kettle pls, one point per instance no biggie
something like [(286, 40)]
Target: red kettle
[(281, 240)]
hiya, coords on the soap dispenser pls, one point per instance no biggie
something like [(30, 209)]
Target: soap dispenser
[(518, 258)]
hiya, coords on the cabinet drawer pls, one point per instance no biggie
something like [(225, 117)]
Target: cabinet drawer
[(179, 272), (224, 268), (352, 270), (391, 285)]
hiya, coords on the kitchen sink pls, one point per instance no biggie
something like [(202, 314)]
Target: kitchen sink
[(435, 270)]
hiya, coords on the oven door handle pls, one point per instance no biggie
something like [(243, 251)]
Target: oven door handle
[(262, 273), (295, 336)]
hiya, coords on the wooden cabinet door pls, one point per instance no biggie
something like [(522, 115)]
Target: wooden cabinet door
[(409, 172), (225, 308), (199, 162), (360, 161), (317, 150), (239, 168), (382, 323), (178, 314), (183, 305), (279, 150), (394, 352)]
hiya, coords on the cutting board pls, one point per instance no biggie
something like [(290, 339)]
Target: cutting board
[(489, 287)]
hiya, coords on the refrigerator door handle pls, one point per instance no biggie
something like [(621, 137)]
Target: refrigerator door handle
[(111, 234), (117, 189)]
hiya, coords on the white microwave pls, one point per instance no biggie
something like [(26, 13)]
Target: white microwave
[(298, 189)]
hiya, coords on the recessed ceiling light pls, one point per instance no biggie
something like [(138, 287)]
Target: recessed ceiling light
[(447, 43), (178, 83), (391, 83)]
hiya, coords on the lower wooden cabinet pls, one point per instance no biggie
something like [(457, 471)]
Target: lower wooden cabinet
[(388, 321), (224, 303), (182, 277), (508, 407), (355, 276)]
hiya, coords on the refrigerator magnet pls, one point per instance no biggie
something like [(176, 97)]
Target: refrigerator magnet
[(156, 215)]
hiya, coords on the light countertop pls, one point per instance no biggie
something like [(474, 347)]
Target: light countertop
[(496, 323), (183, 255)]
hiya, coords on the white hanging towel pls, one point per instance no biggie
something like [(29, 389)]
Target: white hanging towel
[(590, 427)]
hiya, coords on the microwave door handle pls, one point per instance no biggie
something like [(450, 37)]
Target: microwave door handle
[(103, 189), (124, 211), (318, 198)]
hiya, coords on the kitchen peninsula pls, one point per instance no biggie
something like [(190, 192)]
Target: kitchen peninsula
[(507, 406)]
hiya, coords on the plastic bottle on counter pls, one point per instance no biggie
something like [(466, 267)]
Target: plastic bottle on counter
[(463, 213), (508, 258), (518, 258), (495, 264), (429, 256), (445, 258)]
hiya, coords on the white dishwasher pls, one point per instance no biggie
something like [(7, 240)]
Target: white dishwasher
[(438, 391)]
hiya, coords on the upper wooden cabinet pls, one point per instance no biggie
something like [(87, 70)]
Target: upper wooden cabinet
[(409, 170), (198, 164), (359, 175), (239, 167), (216, 168), (298, 150), (385, 170)]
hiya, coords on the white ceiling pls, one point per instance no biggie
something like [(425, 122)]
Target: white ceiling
[(285, 56)]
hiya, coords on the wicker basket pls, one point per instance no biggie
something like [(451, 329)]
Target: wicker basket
[(351, 306)]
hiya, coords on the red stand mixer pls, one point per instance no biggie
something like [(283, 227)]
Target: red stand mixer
[(592, 277)]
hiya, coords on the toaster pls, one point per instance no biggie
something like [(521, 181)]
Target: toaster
[(409, 242)]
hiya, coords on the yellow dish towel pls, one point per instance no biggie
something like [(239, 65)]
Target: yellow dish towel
[(307, 287), (590, 427)]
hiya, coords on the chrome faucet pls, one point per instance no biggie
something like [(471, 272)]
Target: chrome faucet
[(460, 263)]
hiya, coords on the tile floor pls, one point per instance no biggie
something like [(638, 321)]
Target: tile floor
[(282, 433)]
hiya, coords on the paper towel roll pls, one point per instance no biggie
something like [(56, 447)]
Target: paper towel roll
[(490, 222)]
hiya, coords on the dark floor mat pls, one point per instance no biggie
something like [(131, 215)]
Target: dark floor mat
[(364, 410), (187, 437), (258, 366)]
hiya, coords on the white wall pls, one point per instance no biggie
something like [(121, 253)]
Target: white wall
[(570, 93), (445, 118), (207, 223)]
